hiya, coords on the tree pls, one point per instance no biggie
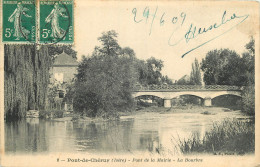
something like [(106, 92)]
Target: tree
[(248, 100), (26, 70), (195, 76), (226, 67), (222, 67), (105, 80), (248, 94), (166, 80), (149, 72), (248, 59), (109, 45), (154, 71)]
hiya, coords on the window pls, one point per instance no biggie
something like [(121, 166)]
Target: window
[(58, 77), (61, 94)]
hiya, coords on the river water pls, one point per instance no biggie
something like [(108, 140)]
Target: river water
[(144, 132)]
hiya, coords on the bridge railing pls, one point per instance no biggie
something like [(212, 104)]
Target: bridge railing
[(186, 87)]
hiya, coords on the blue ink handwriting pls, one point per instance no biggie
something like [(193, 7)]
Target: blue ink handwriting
[(147, 14), (193, 30)]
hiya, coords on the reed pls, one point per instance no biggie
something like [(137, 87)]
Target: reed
[(228, 137)]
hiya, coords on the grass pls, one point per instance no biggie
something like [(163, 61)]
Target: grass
[(228, 137)]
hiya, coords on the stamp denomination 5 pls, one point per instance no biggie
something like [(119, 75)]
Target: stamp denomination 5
[(56, 21), (53, 24), (19, 21)]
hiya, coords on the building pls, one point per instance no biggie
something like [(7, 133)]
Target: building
[(62, 72), (63, 69)]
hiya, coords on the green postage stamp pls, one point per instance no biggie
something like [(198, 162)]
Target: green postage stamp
[(56, 21), (44, 22), (19, 21)]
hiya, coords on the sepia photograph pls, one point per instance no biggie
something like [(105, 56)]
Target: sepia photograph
[(120, 83)]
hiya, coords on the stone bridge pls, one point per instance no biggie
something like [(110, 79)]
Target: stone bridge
[(167, 92)]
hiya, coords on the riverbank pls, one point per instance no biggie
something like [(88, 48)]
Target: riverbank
[(154, 109), (229, 137)]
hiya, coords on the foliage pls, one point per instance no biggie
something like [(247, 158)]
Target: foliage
[(26, 78), (58, 114), (229, 136), (26, 70), (109, 45), (166, 80), (248, 100), (195, 75), (223, 67), (46, 114), (250, 46), (149, 72), (70, 92), (248, 59), (105, 80), (154, 71), (226, 67), (248, 94), (53, 90), (58, 49), (194, 78)]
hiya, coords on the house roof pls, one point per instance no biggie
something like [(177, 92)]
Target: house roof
[(65, 60), (185, 77)]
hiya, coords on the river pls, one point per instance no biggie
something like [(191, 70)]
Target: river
[(143, 132)]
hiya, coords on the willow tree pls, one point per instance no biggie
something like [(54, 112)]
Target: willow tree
[(27, 77)]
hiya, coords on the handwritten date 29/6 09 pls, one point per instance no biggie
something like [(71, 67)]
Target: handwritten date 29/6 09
[(193, 31), (147, 14)]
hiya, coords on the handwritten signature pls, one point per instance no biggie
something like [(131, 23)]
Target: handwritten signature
[(193, 30)]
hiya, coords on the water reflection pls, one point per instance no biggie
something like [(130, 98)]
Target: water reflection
[(144, 132), (26, 136)]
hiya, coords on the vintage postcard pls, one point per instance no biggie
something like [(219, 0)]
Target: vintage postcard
[(129, 83)]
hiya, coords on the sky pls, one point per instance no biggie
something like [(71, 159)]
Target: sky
[(167, 23)]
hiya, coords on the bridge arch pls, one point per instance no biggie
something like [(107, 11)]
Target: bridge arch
[(227, 100), (156, 94), (234, 93), (196, 94), (147, 95)]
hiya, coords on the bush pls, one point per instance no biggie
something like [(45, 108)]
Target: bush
[(44, 114), (232, 136), (58, 114), (248, 100), (51, 113)]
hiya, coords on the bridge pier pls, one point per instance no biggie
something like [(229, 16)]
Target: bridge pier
[(167, 103), (207, 101)]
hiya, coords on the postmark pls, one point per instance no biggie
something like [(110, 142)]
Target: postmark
[(19, 21), (56, 22)]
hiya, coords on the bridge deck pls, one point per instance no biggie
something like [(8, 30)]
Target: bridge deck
[(173, 88)]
